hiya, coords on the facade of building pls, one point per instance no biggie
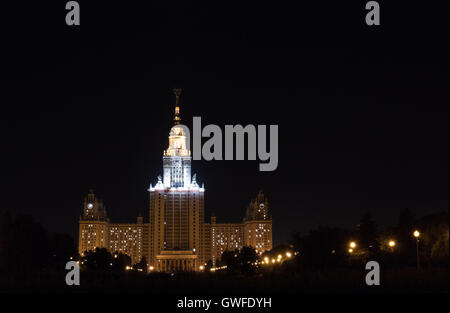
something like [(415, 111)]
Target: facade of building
[(176, 238), (255, 230), (95, 230)]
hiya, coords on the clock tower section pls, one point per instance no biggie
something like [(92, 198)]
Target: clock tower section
[(93, 225)]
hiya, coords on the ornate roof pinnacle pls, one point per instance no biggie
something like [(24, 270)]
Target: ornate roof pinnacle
[(177, 118)]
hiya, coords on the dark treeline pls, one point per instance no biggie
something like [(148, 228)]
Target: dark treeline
[(26, 247), (28, 251), (101, 260), (329, 247)]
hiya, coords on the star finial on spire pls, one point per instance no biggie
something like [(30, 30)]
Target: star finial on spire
[(177, 118)]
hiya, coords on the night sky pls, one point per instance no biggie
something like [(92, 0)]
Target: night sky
[(362, 111)]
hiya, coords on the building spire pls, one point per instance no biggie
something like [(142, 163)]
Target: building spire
[(177, 118)]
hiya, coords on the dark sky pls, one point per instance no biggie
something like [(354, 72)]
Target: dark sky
[(362, 111)]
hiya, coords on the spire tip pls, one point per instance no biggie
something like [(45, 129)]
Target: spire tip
[(177, 118)]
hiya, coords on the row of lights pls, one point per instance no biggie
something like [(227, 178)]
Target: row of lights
[(278, 259), (129, 268), (352, 246), (391, 243), (213, 269)]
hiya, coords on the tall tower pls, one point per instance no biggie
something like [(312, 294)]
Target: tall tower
[(177, 240), (177, 157)]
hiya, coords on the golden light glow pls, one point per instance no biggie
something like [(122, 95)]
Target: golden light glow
[(177, 143), (416, 234), (201, 267), (279, 256), (352, 244), (391, 243), (288, 254), (350, 250), (151, 268), (273, 260)]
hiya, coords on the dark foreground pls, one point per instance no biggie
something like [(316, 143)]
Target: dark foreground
[(334, 281)]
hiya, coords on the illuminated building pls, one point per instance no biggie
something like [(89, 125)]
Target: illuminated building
[(93, 225), (255, 230), (176, 238), (95, 231)]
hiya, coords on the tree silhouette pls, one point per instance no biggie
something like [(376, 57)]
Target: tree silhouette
[(229, 258), (31, 247), (434, 239), (246, 258), (120, 262), (209, 265), (27, 248), (141, 265), (98, 260), (61, 248), (240, 261), (368, 234), (324, 247), (406, 247)]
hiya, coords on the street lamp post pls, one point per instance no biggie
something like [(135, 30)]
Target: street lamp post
[(417, 235)]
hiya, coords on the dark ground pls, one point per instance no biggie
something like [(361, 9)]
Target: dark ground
[(340, 281)]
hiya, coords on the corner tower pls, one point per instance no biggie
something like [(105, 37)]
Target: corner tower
[(93, 225), (258, 224)]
